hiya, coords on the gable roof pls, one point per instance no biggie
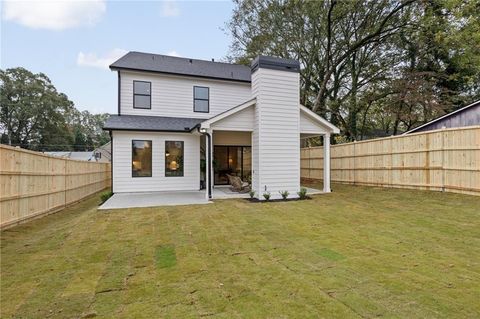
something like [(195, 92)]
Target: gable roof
[(228, 112), (150, 123), (139, 61), (443, 117), (319, 119)]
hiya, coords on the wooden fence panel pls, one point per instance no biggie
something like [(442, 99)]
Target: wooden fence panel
[(32, 183), (441, 160)]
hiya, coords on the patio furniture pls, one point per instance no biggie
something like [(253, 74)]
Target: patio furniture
[(237, 184)]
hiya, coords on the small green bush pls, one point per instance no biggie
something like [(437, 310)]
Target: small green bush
[(251, 193), (105, 196), (266, 195), (284, 194), (302, 193)]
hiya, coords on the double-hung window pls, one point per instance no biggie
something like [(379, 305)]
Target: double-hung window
[(201, 99), (142, 95)]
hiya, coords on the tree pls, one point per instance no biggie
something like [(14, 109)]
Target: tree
[(370, 67), (31, 106), (34, 115), (79, 143)]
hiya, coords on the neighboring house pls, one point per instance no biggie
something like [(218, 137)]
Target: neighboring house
[(173, 112), (79, 156), (466, 116), (103, 153)]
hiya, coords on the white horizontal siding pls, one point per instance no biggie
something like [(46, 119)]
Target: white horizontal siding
[(278, 138), (122, 163), (240, 121), (172, 96)]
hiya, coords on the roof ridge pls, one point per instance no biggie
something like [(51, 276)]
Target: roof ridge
[(187, 58)]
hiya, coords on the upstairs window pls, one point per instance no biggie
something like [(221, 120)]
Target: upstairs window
[(142, 95), (201, 99)]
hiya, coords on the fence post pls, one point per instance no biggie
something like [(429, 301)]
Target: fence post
[(427, 161), (65, 182), (309, 162), (354, 162), (443, 159)]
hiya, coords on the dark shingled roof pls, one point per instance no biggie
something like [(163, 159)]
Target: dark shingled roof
[(184, 66), (150, 123)]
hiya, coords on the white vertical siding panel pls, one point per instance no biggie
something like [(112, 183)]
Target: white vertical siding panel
[(122, 163), (172, 96)]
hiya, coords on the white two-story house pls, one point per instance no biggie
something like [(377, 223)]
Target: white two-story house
[(184, 124)]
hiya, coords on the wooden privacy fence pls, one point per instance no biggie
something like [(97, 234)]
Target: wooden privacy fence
[(33, 183), (442, 160)]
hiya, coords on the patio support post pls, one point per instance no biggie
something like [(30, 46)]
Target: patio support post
[(207, 167), (210, 163), (326, 163)]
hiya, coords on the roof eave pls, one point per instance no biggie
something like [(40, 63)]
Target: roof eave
[(119, 68), (148, 130)]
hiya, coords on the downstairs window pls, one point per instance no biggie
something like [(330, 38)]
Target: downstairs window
[(141, 158), (173, 158)]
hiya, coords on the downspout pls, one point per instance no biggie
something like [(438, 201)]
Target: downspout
[(209, 162), (111, 161), (119, 89)]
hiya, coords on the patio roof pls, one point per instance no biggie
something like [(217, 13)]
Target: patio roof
[(150, 123)]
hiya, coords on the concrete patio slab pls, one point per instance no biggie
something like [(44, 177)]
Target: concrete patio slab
[(152, 199), (314, 191), (224, 192)]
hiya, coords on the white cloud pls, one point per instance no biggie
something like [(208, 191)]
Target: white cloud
[(170, 9), (92, 60), (54, 15), (174, 53)]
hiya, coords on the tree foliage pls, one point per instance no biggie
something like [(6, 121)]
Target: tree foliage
[(371, 67), (34, 115)]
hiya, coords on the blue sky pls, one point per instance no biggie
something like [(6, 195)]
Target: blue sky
[(73, 42)]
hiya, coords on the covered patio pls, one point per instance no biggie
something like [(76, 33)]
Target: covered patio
[(233, 131)]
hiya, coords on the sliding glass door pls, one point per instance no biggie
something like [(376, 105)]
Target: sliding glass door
[(232, 160)]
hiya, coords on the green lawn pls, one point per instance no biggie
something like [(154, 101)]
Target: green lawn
[(356, 253)]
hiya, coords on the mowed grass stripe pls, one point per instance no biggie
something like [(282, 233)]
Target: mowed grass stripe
[(357, 252)]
